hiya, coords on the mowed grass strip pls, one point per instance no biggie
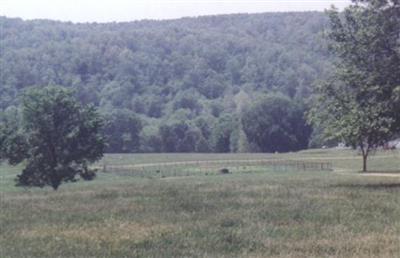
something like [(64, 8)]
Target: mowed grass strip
[(270, 214)]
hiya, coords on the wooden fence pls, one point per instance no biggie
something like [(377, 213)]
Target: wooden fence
[(206, 167)]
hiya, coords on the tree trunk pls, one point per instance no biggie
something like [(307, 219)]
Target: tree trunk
[(365, 152), (365, 157)]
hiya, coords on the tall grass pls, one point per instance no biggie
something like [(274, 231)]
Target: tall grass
[(262, 213)]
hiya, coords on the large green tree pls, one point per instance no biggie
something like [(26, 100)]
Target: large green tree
[(276, 123), (56, 137), (360, 103)]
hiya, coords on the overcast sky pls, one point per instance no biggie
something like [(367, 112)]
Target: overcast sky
[(125, 10)]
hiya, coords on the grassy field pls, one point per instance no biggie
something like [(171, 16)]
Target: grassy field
[(253, 212)]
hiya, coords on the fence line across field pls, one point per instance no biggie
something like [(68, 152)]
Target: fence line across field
[(204, 165)]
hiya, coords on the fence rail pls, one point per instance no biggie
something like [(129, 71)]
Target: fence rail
[(186, 168)]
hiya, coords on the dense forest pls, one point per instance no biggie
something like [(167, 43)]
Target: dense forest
[(227, 83)]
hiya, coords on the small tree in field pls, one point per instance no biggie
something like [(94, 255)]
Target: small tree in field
[(57, 137), (360, 104)]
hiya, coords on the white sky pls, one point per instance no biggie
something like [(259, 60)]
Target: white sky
[(125, 10)]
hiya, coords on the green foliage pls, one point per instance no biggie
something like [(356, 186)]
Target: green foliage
[(12, 141), (224, 132), (359, 103), (61, 138), (276, 124), (122, 130), (150, 139), (180, 136), (166, 71)]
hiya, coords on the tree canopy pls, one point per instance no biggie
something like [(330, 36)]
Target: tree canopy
[(165, 72), (56, 136), (359, 104), (276, 124)]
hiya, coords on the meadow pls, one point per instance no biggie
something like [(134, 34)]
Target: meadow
[(257, 210)]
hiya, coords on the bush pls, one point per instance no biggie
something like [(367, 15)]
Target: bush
[(224, 171)]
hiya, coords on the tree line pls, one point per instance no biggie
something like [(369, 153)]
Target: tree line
[(57, 137), (176, 86)]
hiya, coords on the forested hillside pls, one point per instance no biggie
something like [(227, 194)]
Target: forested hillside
[(178, 85)]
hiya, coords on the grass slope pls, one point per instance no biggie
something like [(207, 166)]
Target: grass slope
[(263, 213)]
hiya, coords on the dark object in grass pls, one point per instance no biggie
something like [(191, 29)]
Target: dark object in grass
[(224, 171)]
